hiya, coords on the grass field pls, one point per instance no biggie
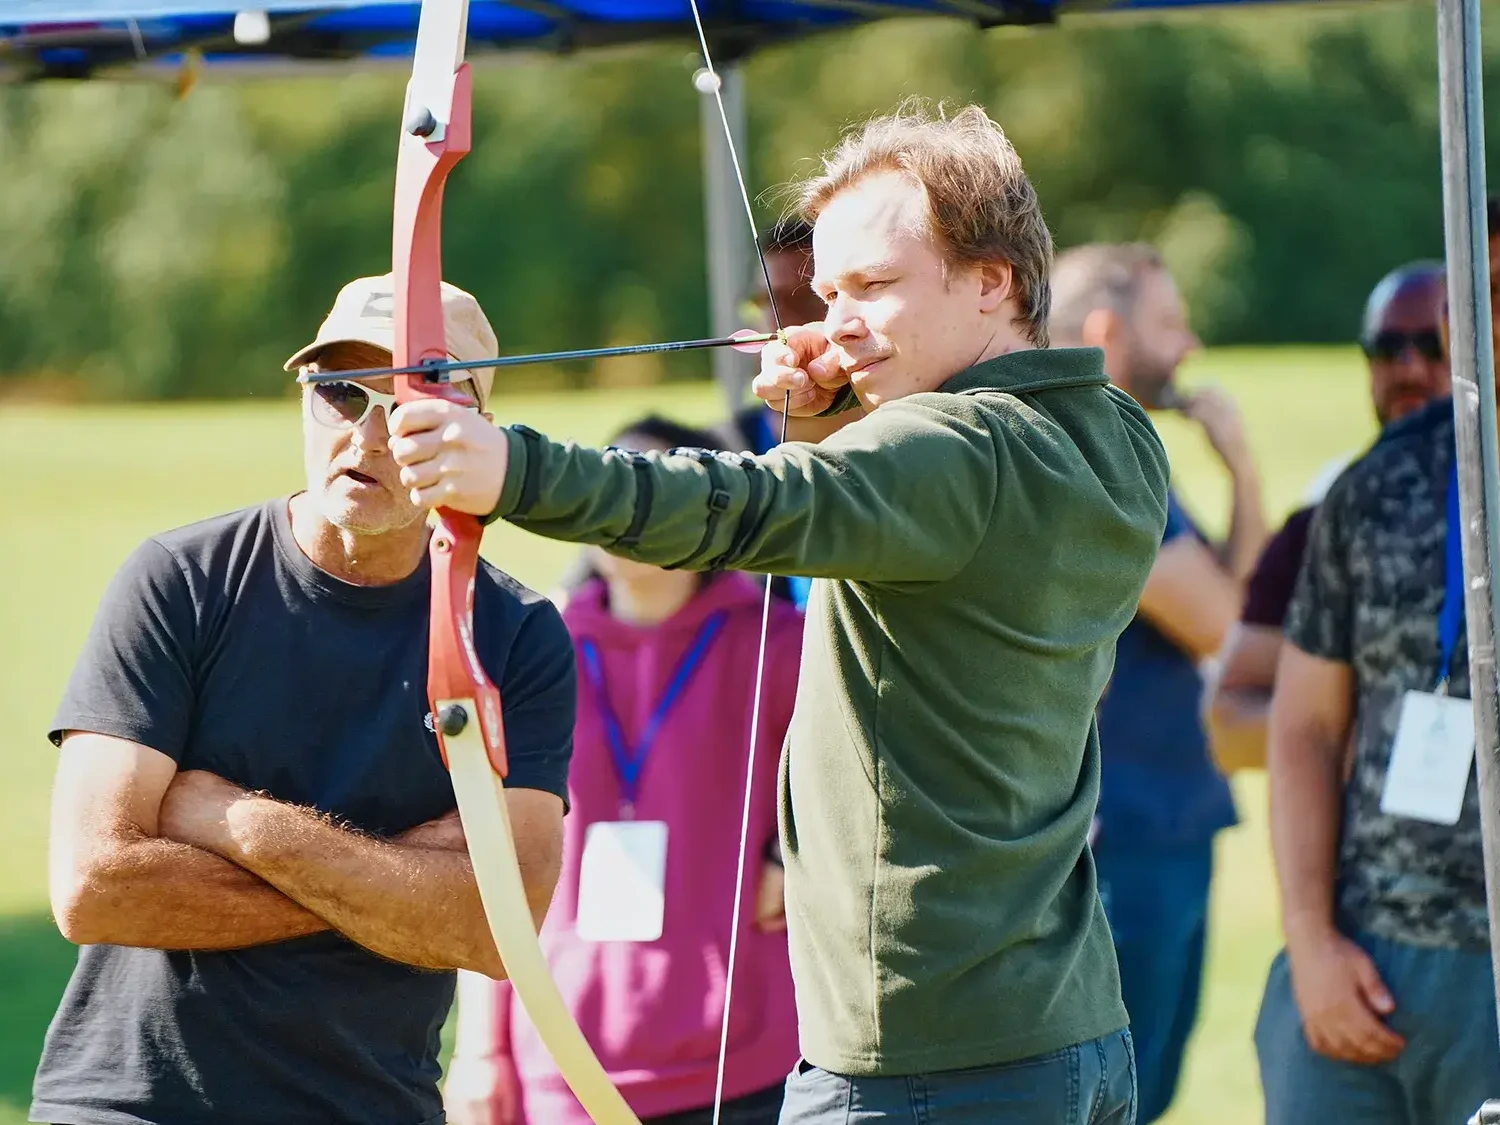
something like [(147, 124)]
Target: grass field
[(87, 485)]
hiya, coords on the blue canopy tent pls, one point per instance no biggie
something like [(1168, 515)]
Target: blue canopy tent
[(102, 39), (81, 38)]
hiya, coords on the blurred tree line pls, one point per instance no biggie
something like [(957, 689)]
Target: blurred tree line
[(156, 247)]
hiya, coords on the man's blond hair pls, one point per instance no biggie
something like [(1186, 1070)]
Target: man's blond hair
[(980, 205)]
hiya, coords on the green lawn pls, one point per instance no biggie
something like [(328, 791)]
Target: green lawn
[(88, 485)]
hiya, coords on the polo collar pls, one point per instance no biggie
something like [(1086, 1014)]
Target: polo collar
[(1035, 369)]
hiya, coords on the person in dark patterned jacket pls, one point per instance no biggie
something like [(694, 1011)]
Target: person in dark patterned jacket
[(1408, 368), (1381, 1007)]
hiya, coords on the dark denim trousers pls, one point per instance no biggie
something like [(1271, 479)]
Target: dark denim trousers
[(1157, 903), (1090, 1083)]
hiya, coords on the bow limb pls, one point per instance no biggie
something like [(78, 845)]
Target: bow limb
[(465, 705), (482, 806), (475, 754)]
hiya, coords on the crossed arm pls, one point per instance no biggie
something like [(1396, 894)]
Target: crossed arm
[(143, 855)]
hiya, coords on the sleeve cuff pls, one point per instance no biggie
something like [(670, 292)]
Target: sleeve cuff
[(517, 466)]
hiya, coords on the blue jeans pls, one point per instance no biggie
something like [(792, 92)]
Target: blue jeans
[(1156, 900), (1090, 1083), (1445, 1010)]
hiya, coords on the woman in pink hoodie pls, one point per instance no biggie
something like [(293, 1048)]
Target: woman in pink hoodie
[(637, 936)]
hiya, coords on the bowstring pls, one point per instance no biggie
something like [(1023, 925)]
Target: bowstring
[(717, 88)]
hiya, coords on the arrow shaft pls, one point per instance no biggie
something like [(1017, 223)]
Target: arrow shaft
[(436, 366)]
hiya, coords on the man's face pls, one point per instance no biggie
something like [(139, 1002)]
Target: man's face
[(352, 480), (1408, 367), (1152, 342), (903, 323)]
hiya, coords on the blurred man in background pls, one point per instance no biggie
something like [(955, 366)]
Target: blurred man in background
[(1161, 801), (1380, 1005), (787, 247), (1401, 340), (788, 250)]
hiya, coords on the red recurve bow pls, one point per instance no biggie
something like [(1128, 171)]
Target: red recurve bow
[(465, 705)]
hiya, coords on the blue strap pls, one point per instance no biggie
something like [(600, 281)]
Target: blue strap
[(630, 761), (1451, 617)]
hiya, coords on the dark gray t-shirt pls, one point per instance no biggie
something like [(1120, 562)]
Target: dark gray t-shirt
[(223, 647)]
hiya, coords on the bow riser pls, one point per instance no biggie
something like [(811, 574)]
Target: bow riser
[(434, 138), (457, 686)]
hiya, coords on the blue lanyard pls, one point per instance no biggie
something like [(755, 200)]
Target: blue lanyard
[(630, 761), (1451, 617)]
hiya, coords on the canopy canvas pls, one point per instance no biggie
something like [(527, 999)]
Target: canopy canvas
[(81, 37)]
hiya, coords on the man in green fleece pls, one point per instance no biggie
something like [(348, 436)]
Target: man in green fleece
[(980, 539)]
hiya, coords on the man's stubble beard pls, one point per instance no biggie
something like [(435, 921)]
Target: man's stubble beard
[(358, 519)]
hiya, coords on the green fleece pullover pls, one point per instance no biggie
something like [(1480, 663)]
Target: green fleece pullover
[(981, 547)]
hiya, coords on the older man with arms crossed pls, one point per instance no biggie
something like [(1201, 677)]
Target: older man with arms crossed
[(978, 541), (254, 839)]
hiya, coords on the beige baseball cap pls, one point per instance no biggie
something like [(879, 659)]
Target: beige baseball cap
[(364, 312)]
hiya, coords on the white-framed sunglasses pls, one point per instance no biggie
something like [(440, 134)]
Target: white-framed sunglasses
[(342, 404)]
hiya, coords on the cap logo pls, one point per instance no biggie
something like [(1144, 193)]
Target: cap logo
[(379, 305)]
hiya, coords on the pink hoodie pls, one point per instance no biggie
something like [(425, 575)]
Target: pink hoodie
[(652, 1010)]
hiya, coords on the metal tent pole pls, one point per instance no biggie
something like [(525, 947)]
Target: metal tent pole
[(1473, 362), (729, 252)]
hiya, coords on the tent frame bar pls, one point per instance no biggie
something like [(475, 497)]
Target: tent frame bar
[(1461, 103)]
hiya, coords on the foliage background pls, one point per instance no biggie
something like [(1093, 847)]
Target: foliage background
[(153, 247)]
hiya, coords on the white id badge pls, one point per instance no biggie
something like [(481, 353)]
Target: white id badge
[(1431, 759), (622, 881)]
